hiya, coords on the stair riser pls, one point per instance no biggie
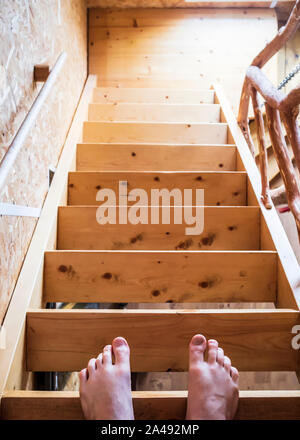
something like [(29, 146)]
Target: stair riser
[(224, 229), (160, 277), (135, 133), (254, 340), (93, 157), (155, 112), (157, 96), (219, 188)]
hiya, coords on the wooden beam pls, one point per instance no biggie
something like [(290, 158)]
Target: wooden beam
[(143, 157), (154, 132), (155, 112), (148, 405), (144, 95), (225, 228), (255, 340), (220, 188), (41, 73), (174, 276)]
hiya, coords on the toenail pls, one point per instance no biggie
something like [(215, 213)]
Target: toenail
[(119, 342), (198, 340), (212, 342)]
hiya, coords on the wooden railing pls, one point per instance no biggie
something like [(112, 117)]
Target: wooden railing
[(279, 107)]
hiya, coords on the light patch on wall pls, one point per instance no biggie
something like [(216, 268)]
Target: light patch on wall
[(58, 12)]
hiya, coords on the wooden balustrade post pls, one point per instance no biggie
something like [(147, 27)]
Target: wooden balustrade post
[(292, 129), (284, 162), (263, 158), (242, 119)]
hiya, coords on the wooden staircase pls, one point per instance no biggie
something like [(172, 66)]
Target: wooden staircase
[(160, 138)]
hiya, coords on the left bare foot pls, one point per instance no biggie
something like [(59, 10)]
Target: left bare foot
[(105, 388)]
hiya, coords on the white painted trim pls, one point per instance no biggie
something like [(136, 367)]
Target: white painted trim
[(19, 210)]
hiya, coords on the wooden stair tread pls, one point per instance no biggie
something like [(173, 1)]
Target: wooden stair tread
[(148, 405), (169, 276), (153, 95), (148, 157), (171, 132), (152, 82), (255, 340), (225, 228), (154, 112), (221, 188)]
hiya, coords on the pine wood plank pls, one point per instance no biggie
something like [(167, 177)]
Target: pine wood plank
[(155, 112), (151, 132), (149, 95), (181, 277), (220, 188), (148, 405), (225, 228), (255, 340), (143, 157), (153, 82)]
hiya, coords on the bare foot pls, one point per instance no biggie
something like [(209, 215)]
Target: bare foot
[(105, 388), (213, 384)]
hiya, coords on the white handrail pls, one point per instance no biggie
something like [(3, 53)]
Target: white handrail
[(13, 150)]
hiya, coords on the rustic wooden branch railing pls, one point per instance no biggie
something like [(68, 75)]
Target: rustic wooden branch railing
[(279, 107)]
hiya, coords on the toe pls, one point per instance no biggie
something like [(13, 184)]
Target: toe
[(99, 361), (197, 349), (107, 355), (91, 366), (212, 351), (83, 376), (234, 374), (121, 351), (227, 364), (220, 356)]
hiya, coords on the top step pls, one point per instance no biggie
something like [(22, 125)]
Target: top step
[(148, 95)]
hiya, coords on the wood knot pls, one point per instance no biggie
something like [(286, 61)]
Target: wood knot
[(155, 292)]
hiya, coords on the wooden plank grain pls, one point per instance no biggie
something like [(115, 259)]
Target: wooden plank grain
[(148, 405), (220, 188), (158, 157), (255, 340), (151, 95), (154, 112), (225, 228), (148, 132), (176, 276)]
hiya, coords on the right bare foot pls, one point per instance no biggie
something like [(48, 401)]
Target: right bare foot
[(213, 384)]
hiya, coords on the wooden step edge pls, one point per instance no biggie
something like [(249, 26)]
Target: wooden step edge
[(40, 312), (155, 104), (222, 173), (146, 251), (162, 89), (153, 144), (148, 123), (151, 405)]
